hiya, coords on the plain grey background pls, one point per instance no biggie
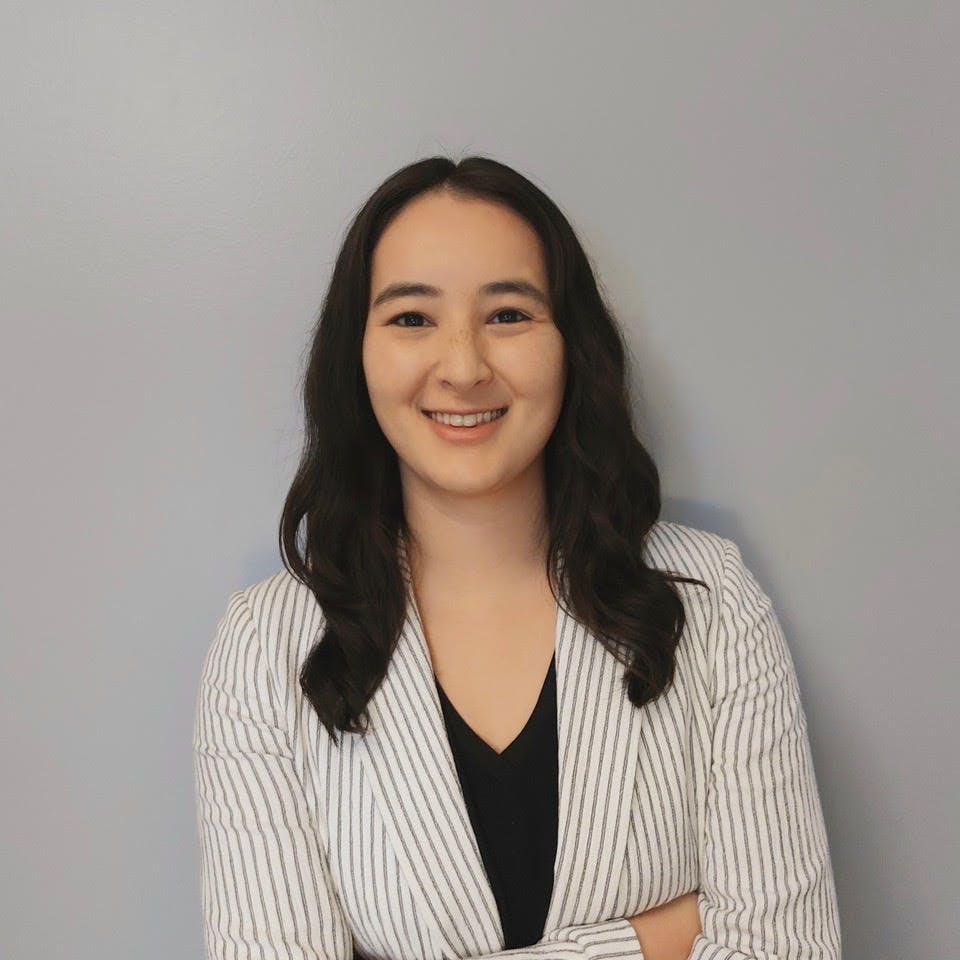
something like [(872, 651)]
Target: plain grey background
[(768, 192)]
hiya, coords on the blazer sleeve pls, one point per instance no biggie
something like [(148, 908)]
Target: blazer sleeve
[(766, 881), (265, 883), (602, 940)]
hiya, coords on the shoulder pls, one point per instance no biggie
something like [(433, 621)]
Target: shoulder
[(710, 557), (280, 601), (687, 550), (741, 628), (277, 618), (728, 617)]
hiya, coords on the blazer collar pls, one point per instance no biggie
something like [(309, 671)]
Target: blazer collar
[(412, 773)]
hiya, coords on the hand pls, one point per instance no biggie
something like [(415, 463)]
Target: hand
[(667, 932)]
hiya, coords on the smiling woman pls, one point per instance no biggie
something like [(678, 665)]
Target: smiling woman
[(472, 262), (493, 704)]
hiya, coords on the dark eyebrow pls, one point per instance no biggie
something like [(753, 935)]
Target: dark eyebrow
[(518, 286)]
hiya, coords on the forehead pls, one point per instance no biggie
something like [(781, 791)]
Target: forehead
[(456, 244)]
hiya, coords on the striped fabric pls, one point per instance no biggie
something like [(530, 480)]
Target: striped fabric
[(311, 851)]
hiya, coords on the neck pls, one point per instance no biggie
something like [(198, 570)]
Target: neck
[(456, 540)]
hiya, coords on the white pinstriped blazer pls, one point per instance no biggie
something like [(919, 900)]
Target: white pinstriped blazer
[(310, 851)]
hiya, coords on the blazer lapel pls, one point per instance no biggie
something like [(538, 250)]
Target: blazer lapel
[(598, 732), (413, 777)]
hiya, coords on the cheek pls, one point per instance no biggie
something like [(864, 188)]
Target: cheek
[(541, 374), (383, 370)]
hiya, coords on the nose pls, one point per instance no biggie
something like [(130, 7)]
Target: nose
[(462, 358)]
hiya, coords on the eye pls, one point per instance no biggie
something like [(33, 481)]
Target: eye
[(403, 316), (521, 316)]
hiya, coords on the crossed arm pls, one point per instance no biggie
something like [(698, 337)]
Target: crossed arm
[(668, 932)]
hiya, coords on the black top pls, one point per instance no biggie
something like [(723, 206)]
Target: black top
[(512, 799)]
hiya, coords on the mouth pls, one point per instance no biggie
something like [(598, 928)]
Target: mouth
[(466, 421)]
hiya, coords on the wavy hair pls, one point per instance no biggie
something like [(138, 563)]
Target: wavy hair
[(602, 486)]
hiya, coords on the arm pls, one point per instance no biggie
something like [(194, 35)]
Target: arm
[(766, 881), (266, 886), (603, 940), (668, 931), (266, 889)]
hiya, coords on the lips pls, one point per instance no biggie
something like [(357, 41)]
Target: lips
[(466, 413), (465, 431)]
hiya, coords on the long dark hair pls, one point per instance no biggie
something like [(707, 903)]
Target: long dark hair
[(602, 486)]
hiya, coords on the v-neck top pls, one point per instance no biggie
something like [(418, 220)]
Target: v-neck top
[(512, 798)]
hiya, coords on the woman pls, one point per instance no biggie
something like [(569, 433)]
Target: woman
[(493, 702)]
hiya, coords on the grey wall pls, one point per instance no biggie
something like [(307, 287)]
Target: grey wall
[(769, 194)]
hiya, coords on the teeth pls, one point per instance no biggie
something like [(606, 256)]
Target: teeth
[(468, 420)]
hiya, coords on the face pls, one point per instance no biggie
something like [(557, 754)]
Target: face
[(460, 347)]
